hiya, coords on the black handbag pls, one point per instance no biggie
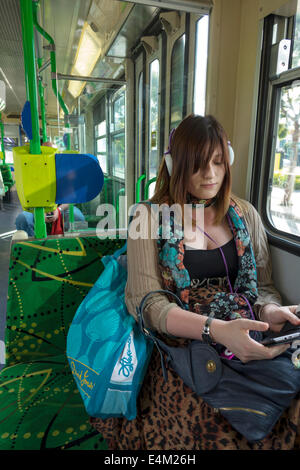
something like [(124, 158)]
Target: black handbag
[(251, 396)]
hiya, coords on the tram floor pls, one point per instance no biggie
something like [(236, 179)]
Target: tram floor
[(9, 209)]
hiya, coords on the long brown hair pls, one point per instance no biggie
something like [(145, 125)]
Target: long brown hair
[(191, 147)]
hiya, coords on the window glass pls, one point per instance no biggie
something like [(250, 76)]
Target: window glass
[(101, 149), (153, 118), (118, 155), (201, 50), (117, 130), (118, 113), (296, 46), (100, 129), (101, 145), (177, 82), (284, 207)]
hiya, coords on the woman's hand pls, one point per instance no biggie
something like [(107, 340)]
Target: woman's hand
[(53, 218), (234, 335), (276, 316)]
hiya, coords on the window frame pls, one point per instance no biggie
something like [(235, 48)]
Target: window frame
[(101, 137), (266, 127), (184, 90), (115, 133)]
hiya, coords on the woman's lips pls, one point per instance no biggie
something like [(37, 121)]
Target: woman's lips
[(208, 185)]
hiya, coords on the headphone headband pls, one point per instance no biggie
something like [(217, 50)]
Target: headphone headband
[(168, 157)]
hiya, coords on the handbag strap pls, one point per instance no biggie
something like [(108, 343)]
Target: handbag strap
[(148, 333)]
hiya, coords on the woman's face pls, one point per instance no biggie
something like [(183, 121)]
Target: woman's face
[(205, 184)]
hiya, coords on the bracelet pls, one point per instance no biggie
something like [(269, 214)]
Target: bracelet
[(206, 336)]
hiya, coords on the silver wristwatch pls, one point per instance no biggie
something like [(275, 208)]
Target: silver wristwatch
[(206, 338)]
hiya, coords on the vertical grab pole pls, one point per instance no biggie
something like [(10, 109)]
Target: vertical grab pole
[(31, 90), (42, 102), (51, 47), (2, 138)]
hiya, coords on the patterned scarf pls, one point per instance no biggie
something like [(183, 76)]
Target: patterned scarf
[(225, 305)]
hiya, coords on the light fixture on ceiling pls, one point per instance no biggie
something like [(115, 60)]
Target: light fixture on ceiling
[(189, 6), (10, 87), (2, 96), (88, 52)]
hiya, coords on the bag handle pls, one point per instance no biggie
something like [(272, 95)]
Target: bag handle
[(147, 332)]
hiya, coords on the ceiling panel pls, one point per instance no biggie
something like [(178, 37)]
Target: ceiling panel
[(63, 20), (11, 55)]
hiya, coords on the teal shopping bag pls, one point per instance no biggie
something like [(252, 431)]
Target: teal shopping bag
[(106, 350)]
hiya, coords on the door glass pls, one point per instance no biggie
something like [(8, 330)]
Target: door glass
[(153, 118)]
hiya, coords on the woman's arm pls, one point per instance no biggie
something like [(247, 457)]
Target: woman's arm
[(144, 275), (268, 306), (267, 293)]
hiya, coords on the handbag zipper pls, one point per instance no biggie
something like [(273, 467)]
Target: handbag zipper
[(237, 408)]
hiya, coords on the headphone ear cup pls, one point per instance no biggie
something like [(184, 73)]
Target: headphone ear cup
[(169, 163), (231, 154)]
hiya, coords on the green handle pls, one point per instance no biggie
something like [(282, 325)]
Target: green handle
[(138, 187), (146, 192)]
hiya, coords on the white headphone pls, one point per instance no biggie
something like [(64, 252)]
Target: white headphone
[(169, 162)]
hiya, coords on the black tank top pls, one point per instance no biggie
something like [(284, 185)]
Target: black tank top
[(205, 265)]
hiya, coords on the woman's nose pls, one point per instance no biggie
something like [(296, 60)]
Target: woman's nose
[(209, 171)]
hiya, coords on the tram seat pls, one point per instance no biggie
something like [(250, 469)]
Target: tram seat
[(40, 404)]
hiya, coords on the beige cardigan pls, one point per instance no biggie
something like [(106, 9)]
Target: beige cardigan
[(144, 274)]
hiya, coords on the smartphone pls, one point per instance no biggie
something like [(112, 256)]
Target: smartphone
[(287, 334), (284, 339)]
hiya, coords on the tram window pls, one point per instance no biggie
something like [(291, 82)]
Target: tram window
[(201, 49), (296, 48), (100, 134), (117, 131), (284, 203), (177, 82), (153, 118)]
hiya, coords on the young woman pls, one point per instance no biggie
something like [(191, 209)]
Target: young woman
[(220, 298)]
